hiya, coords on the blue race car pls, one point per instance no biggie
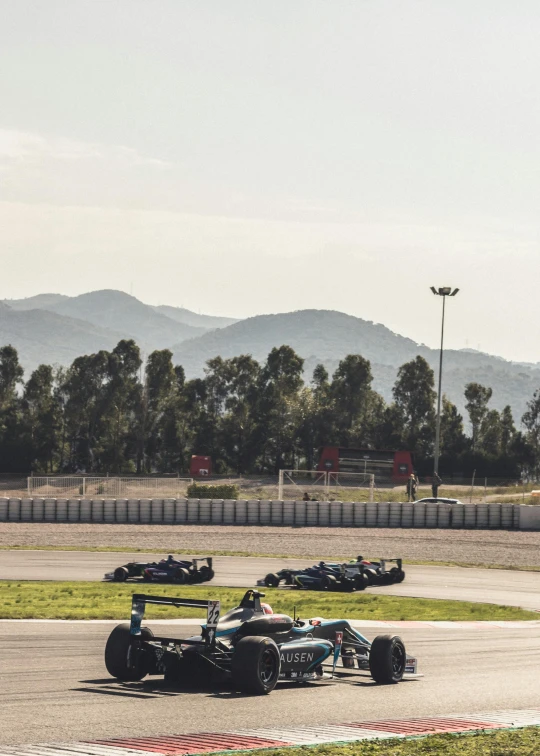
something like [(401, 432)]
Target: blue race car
[(170, 570), (324, 576)]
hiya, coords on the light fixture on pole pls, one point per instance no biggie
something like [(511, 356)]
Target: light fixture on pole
[(444, 291)]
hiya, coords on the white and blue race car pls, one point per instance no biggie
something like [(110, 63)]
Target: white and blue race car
[(252, 647)]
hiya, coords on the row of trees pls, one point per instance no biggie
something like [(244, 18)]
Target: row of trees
[(109, 413)]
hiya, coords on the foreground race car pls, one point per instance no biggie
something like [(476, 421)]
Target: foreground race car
[(335, 576), (252, 647), (170, 570)]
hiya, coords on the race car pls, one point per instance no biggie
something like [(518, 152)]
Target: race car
[(252, 647), (324, 576), (375, 573), (170, 570)]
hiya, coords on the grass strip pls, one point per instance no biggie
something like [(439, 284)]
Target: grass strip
[(210, 552), (84, 600), (522, 742)]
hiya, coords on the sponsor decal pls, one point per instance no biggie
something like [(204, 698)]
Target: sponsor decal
[(411, 665), (296, 656)]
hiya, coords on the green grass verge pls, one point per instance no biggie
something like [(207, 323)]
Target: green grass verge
[(210, 552), (81, 600), (524, 742)]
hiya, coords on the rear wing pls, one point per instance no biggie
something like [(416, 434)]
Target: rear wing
[(138, 606), (383, 563), (208, 560)]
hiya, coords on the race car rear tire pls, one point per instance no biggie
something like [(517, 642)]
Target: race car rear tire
[(271, 580), (255, 665), (361, 582), (116, 654), (387, 659), (181, 576), (400, 577), (121, 574), (328, 583), (205, 574)]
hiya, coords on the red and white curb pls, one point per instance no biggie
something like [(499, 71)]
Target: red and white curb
[(252, 739)]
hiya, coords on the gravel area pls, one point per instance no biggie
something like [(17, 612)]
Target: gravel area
[(501, 547)]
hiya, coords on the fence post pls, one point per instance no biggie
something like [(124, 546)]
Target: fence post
[(280, 486), (371, 487), (84, 487)]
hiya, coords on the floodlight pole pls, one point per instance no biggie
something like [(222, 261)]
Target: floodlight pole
[(445, 291), (438, 423)]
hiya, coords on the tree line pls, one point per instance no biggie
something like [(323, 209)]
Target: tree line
[(108, 412)]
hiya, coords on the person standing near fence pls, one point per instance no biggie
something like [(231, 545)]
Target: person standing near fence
[(435, 483), (412, 485)]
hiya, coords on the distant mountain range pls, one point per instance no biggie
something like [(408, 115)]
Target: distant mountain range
[(54, 328)]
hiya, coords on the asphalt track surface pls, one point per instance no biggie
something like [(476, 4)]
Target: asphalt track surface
[(510, 588), (55, 686)]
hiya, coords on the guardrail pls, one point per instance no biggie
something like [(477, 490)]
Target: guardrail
[(265, 512)]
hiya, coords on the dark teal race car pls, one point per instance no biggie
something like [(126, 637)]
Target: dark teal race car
[(253, 648)]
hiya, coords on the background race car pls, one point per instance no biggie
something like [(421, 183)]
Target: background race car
[(348, 576), (170, 570), (321, 577), (384, 572), (252, 647)]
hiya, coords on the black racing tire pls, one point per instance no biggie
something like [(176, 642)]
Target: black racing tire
[(401, 576), (121, 574), (255, 665), (371, 576), (116, 654), (271, 580), (387, 659), (361, 581), (181, 576), (347, 585), (328, 583), (205, 574), (289, 580)]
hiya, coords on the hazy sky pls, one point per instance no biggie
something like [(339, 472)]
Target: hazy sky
[(241, 157)]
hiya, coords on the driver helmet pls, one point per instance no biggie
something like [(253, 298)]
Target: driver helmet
[(267, 609)]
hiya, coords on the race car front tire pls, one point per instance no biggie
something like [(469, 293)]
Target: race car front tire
[(116, 654), (371, 576), (121, 574), (387, 658), (255, 665), (271, 580)]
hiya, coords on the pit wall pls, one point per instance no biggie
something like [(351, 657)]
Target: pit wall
[(264, 512)]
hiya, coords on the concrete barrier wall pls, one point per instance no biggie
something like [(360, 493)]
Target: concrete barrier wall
[(264, 512)]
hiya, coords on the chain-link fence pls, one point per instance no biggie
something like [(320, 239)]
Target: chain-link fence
[(297, 485), (108, 487)]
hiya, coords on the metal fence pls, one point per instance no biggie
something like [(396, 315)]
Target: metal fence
[(172, 511), (108, 487), (318, 485)]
